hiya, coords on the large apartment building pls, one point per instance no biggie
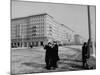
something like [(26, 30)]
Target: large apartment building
[(37, 30)]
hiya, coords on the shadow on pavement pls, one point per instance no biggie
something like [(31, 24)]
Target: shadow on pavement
[(76, 49), (75, 66), (72, 60), (33, 64)]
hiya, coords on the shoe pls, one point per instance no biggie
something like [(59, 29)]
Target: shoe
[(53, 68), (46, 67)]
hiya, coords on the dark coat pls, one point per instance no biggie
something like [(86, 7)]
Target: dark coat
[(48, 53), (85, 52), (55, 53), (88, 52)]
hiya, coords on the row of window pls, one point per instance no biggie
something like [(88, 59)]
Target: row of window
[(36, 30), (36, 23), (37, 20), (37, 17)]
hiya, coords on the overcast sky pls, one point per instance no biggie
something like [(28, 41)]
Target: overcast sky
[(74, 16)]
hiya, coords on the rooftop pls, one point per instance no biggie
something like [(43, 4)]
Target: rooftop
[(31, 16)]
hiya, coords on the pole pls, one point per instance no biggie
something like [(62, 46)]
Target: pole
[(89, 23), (89, 28)]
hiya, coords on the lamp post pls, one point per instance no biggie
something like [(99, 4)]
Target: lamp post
[(90, 44)]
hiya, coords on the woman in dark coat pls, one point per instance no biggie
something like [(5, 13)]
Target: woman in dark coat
[(48, 55), (55, 56)]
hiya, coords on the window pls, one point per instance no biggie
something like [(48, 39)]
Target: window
[(41, 43), (33, 34), (34, 30), (34, 27), (36, 43)]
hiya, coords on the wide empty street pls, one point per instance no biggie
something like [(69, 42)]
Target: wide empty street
[(32, 60)]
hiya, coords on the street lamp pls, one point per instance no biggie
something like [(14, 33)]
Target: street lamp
[(90, 46)]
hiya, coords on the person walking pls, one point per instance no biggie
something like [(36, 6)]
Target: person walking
[(55, 56), (48, 55), (84, 49), (85, 55)]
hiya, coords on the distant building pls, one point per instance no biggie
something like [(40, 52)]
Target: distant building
[(78, 39), (37, 30)]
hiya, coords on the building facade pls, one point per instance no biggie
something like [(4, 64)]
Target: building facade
[(78, 40), (37, 30)]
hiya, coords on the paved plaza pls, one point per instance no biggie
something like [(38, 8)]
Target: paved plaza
[(28, 61)]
